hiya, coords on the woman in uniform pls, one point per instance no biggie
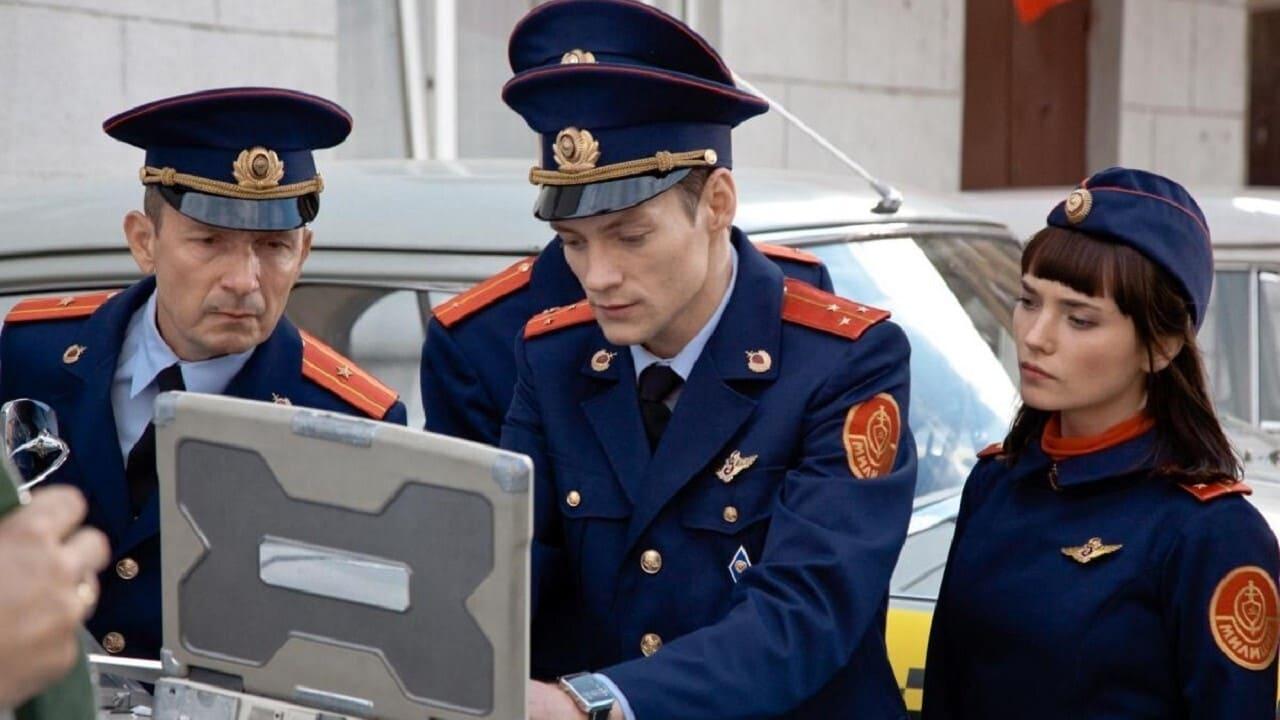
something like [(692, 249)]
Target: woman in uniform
[(1106, 563)]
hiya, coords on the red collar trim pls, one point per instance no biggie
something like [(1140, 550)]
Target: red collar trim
[(1060, 448)]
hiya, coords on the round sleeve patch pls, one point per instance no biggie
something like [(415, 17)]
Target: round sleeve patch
[(1244, 617), (871, 434)]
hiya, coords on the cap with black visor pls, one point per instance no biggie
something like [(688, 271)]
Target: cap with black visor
[(235, 158), (626, 100)]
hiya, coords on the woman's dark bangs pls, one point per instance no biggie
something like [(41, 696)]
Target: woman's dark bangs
[(1074, 259)]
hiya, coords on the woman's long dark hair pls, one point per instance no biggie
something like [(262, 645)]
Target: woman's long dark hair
[(1190, 443)]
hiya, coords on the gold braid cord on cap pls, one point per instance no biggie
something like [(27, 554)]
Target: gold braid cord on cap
[(257, 172), (661, 161), (576, 153)]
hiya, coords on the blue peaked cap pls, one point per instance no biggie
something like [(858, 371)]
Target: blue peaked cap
[(235, 157), (1151, 214), (626, 100)]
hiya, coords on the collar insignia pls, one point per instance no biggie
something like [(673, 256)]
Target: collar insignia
[(602, 360), (1090, 551)]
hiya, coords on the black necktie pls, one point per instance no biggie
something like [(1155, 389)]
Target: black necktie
[(140, 468), (657, 382)]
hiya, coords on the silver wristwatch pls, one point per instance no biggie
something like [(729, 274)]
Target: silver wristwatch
[(590, 695)]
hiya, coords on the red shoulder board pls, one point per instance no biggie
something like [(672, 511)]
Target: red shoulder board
[(57, 308), (325, 367), (484, 294), (1205, 492), (554, 319), (990, 451), (782, 252), (806, 305)]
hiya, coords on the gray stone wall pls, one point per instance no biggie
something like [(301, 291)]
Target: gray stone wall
[(1184, 89), (67, 65), (883, 79)]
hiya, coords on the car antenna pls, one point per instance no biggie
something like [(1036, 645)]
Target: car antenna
[(890, 197)]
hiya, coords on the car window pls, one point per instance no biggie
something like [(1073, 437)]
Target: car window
[(381, 329), (1269, 348), (1222, 338), (956, 314)]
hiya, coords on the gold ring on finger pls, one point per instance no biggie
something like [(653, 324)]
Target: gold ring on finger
[(87, 594)]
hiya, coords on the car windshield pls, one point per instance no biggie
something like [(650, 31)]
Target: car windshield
[(953, 296)]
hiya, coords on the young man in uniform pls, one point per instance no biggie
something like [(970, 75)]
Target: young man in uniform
[(724, 471), (467, 374), (230, 187)]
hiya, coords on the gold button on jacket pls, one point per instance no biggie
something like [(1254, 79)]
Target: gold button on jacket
[(650, 644), (113, 642), (127, 569), (573, 499), (651, 561)]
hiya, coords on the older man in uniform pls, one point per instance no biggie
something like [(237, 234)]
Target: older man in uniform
[(230, 188), (724, 471)]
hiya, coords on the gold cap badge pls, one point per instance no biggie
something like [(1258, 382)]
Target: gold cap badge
[(602, 360), (258, 168), (1079, 203), (759, 361), (576, 150), (577, 56), (1090, 551)]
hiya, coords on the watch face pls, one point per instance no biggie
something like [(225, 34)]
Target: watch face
[(591, 690)]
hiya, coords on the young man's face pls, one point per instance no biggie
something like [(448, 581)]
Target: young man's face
[(647, 270), (218, 291)]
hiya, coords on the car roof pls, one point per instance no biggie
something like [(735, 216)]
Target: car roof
[(1240, 219), (471, 206)]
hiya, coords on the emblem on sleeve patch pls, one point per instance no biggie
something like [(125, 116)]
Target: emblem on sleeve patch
[(872, 430), (1244, 617)]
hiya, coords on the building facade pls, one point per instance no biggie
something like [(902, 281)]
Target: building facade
[(935, 94)]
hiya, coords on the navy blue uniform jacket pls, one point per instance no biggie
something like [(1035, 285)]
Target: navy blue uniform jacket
[(799, 634), (32, 366), (1152, 621), (467, 371)]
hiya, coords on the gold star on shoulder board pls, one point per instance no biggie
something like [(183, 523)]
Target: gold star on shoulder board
[(66, 301), (344, 372), (1090, 551)]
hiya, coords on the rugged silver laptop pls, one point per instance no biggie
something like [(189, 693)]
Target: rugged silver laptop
[(319, 566)]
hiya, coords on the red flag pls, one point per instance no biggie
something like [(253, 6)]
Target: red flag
[(1030, 11)]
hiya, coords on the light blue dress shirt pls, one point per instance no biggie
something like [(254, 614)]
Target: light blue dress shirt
[(682, 364), (143, 354), (684, 360)]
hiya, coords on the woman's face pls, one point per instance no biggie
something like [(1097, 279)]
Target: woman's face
[(1078, 355)]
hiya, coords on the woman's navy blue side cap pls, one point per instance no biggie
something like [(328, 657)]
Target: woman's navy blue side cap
[(1151, 214)]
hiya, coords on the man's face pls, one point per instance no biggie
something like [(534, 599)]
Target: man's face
[(218, 291), (645, 271)]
